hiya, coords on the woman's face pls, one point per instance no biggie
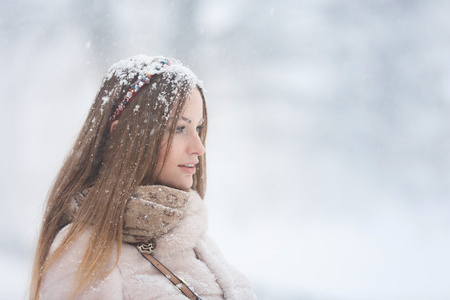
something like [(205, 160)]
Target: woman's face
[(181, 161)]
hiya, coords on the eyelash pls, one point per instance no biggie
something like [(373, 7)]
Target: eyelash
[(180, 129)]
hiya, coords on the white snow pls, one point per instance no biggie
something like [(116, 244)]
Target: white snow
[(105, 99), (127, 69)]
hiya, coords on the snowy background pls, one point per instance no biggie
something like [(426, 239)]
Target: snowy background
[(328, 148)]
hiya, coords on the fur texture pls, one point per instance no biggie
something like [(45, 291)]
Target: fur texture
[(186, 250)]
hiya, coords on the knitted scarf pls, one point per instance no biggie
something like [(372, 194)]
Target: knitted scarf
[(150, 212)]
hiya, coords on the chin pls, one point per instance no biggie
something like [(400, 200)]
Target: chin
[(184, 186), (180, 185)]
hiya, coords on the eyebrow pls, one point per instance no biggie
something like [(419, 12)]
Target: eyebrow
[(189, 121), (186, 119)]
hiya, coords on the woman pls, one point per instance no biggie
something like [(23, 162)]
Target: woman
[(130, 192)]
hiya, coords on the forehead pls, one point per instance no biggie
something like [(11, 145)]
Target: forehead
[(193, 107)]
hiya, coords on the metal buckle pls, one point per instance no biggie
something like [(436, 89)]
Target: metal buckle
[(146, 248)]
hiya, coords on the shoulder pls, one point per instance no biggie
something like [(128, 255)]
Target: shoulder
[(58, 280), (133, 277), (76, 246)]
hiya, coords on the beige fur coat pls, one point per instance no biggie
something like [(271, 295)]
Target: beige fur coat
[(185, 249)]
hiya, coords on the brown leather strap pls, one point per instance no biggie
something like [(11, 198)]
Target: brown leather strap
[(146, 250)]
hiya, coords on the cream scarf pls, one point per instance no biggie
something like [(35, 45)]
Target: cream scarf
[(150, 212)]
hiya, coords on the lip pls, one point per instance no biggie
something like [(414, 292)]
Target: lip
[(189, 170)]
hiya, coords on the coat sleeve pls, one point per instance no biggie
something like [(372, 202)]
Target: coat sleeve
[(59, 278)]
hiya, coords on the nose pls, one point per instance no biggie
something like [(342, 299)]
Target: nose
[(197, 148)]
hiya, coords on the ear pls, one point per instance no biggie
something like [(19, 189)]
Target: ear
[(113, 126)]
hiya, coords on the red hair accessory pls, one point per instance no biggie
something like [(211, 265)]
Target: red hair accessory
[(143, 79)]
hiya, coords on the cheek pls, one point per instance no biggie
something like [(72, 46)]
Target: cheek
[(175, 155), (172, 156)]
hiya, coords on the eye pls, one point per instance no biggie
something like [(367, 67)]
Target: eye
[(199, 128), (180, 129)]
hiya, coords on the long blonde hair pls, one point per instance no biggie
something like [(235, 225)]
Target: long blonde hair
[(114, 164)]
